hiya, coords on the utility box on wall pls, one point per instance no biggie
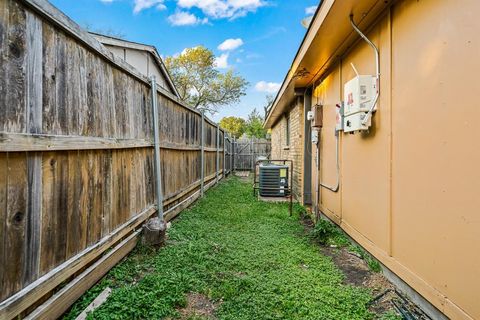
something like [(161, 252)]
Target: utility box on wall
[(316, 116), (359, 94)]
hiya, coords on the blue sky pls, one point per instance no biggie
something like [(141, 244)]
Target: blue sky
[(264, 34)]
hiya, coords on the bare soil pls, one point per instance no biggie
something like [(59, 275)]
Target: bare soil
[(357, 273), (198, 305)]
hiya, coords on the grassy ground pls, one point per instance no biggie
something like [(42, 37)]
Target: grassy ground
[(249, 258)]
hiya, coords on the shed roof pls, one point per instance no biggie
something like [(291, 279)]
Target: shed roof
[(121, 43), (328, 38)]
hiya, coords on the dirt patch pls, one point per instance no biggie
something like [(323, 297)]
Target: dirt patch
[(244, 175), (198, 305), (355, 268), (358, 273)]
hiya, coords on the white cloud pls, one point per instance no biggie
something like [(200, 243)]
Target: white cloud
[(269, 87), (146, 4), (230, 44), (218, 9), (310, 10), (182, 18), (106, 1), (222, 61)]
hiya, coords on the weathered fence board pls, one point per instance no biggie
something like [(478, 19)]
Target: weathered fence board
[(76, 156), (246, 152)]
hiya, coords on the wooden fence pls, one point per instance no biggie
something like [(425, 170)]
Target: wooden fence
[(246, 152), (77, 161), (229, 155)]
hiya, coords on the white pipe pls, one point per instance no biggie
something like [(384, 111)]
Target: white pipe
[(336, 187), (377, 66)]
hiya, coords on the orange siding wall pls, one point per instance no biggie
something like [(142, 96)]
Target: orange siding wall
[(410, 188)]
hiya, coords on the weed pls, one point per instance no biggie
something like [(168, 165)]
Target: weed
[(373, 263), (247, 257), (326, 232)]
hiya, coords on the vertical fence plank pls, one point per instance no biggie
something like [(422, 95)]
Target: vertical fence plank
[(4, 26), (15, 222), (3, 219), (49, 80), (74, 212), (13, 68), (107, 194), (61, 85), (34, 81)]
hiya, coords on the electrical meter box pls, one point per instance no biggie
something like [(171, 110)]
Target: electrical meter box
[(359, 94), (317, 121)]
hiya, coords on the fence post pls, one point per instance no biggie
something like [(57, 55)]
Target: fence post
[(217, 166), (156, 133), (252, 152), (224, 143), (202, 161), (233, 154)]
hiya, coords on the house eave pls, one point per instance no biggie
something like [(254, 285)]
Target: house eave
[(328, 38)]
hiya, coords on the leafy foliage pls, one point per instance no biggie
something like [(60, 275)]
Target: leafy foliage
[(200, 84), (254, 127), (234, 125), (249, 257), (326, 232)]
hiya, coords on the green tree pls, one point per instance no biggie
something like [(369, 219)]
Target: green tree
[(270, 98), (233, 125), (254, 127), (200, 84)]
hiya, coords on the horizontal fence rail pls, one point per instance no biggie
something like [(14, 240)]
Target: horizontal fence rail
[(77, 158)]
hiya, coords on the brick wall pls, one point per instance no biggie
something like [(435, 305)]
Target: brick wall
[(295, 150)]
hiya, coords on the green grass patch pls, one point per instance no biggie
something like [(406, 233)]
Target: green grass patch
[(249, 257)]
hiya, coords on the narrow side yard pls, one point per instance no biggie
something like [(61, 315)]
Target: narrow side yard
[(230, 257)]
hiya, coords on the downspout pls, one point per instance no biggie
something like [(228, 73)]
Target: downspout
[(156, 137), (377, 66), (336, 187)]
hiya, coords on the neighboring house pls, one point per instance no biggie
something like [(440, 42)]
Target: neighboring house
[(409, 185), (142, 57)]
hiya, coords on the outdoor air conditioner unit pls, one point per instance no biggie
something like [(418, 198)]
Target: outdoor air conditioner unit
[(273, 180)]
